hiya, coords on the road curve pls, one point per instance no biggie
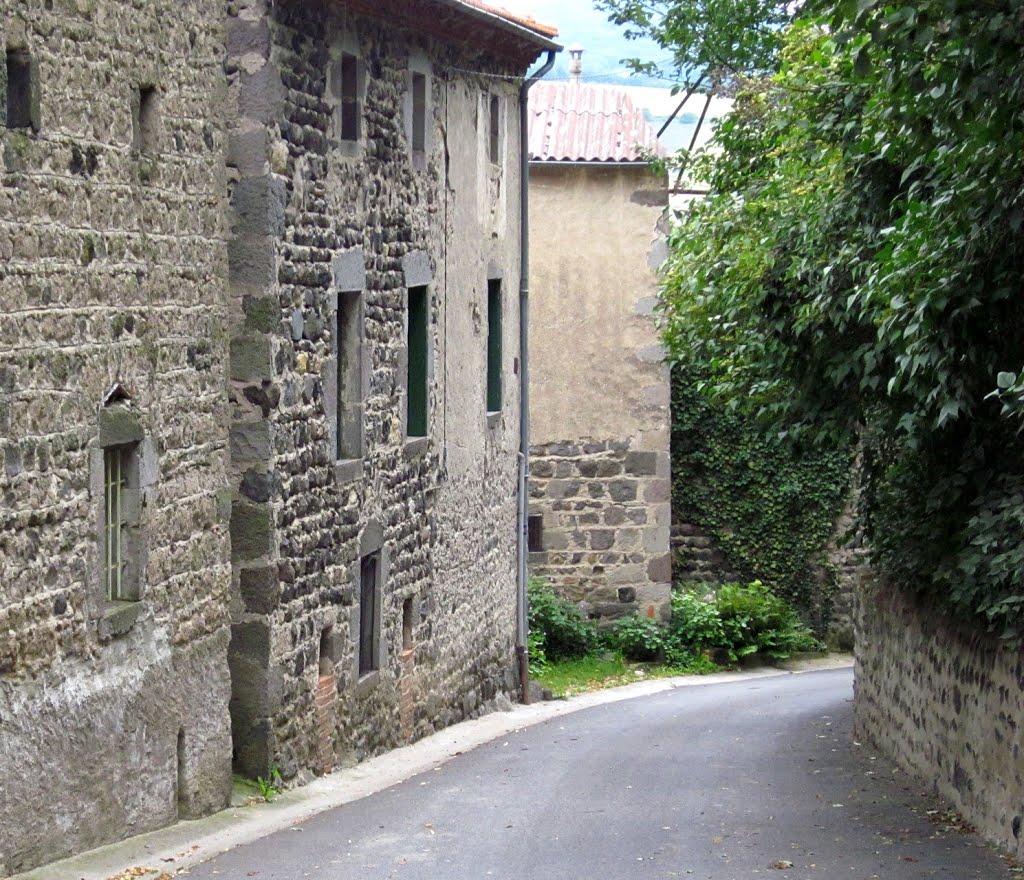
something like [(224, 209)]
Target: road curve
[(752, 779)]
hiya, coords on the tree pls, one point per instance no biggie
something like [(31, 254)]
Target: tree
[(856, 274)]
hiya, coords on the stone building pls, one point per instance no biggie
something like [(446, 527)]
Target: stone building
[(374, 266), (258, 395), (599, 405)]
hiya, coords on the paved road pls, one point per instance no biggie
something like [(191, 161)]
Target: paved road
[(709, 783)]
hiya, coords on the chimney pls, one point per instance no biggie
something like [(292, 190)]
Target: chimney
[(575, 62)]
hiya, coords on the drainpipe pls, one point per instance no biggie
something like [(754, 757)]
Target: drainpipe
[(522, 626)]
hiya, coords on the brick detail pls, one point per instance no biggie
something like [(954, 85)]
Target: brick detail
[(326, 718)]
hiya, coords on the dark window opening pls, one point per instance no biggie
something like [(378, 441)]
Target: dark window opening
[(494, 345), (419, 112), (19, 88), (182, 790), (349, 107), (495, 132), (416, 397), (348, 333), (148, 123), (327, 658), (535, 533), (369, 586), (407, 624)]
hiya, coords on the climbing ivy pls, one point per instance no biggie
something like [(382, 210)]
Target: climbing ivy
[(770, 506)]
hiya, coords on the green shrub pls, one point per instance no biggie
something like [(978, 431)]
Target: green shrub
[(637, 638), (756, 621), (557, 629), (740, 620)]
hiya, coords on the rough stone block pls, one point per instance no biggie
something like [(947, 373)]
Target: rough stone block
[(260, 589), (259, 204), (252, 531), (657, 491), (251, 443), (659, 569), (563, 488), (641, 464), (251, 359), (252, 262), (622, 490), (120, 426), (245, 37), (602, 539), (261, 95)]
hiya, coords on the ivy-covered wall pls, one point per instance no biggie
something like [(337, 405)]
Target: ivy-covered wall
[(746, 505)]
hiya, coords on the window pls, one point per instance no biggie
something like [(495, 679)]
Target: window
[(349, 340), (495, 130), (120, 505), (419, 113), (535, 533), (407, 624), (147, 121), (494, 345), (369, 590), (19, 89), (327, 658), (348, 107), (417, 346)]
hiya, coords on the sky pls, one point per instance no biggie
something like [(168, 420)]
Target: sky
[(604, 43), (604, 47)]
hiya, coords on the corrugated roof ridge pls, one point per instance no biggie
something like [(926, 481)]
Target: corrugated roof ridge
[(574, 121)]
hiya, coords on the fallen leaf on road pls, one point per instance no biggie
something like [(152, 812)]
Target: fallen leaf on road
[(781, 865), (131, 873)]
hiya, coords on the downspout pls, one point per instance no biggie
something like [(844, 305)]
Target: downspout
[(522, 627)]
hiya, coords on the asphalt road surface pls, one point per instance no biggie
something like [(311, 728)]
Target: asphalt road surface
[(754, 779)]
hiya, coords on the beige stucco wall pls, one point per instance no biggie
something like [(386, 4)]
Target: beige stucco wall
[(599, 411), (593, 233)]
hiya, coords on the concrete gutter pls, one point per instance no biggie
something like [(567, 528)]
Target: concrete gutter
[(180, 846)]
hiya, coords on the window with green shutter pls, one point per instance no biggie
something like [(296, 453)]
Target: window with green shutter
[(494, 345), (418, 350)]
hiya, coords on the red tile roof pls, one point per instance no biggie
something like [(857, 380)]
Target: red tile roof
[(522, 20), (577, 122)]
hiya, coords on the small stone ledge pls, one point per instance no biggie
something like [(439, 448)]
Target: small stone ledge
[(349, 470), (416, 447), (493, 420), (367, 683), (118, 618)]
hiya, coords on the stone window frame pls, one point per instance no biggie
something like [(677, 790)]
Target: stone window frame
[(495, 283), (417, 272), (26, 82), (120, 428), (419, 65), (349, 271), (345, 42), (371, 543), (495, 128)]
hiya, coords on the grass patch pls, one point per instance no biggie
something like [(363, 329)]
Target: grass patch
[(594, 673)]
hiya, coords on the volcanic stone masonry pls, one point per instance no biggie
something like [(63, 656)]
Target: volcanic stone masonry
[(259, 497), (113, 715)]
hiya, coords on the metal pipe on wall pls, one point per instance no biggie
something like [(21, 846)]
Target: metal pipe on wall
[(522, 628)]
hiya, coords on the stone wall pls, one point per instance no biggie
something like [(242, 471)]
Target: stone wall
[(599, 406), (113, 715), (947, 703), (604, 514), (320, 219)]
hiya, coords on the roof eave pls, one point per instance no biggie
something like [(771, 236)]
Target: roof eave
[(542, 42)]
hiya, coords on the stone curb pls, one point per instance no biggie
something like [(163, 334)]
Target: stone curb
[(187, 843)]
